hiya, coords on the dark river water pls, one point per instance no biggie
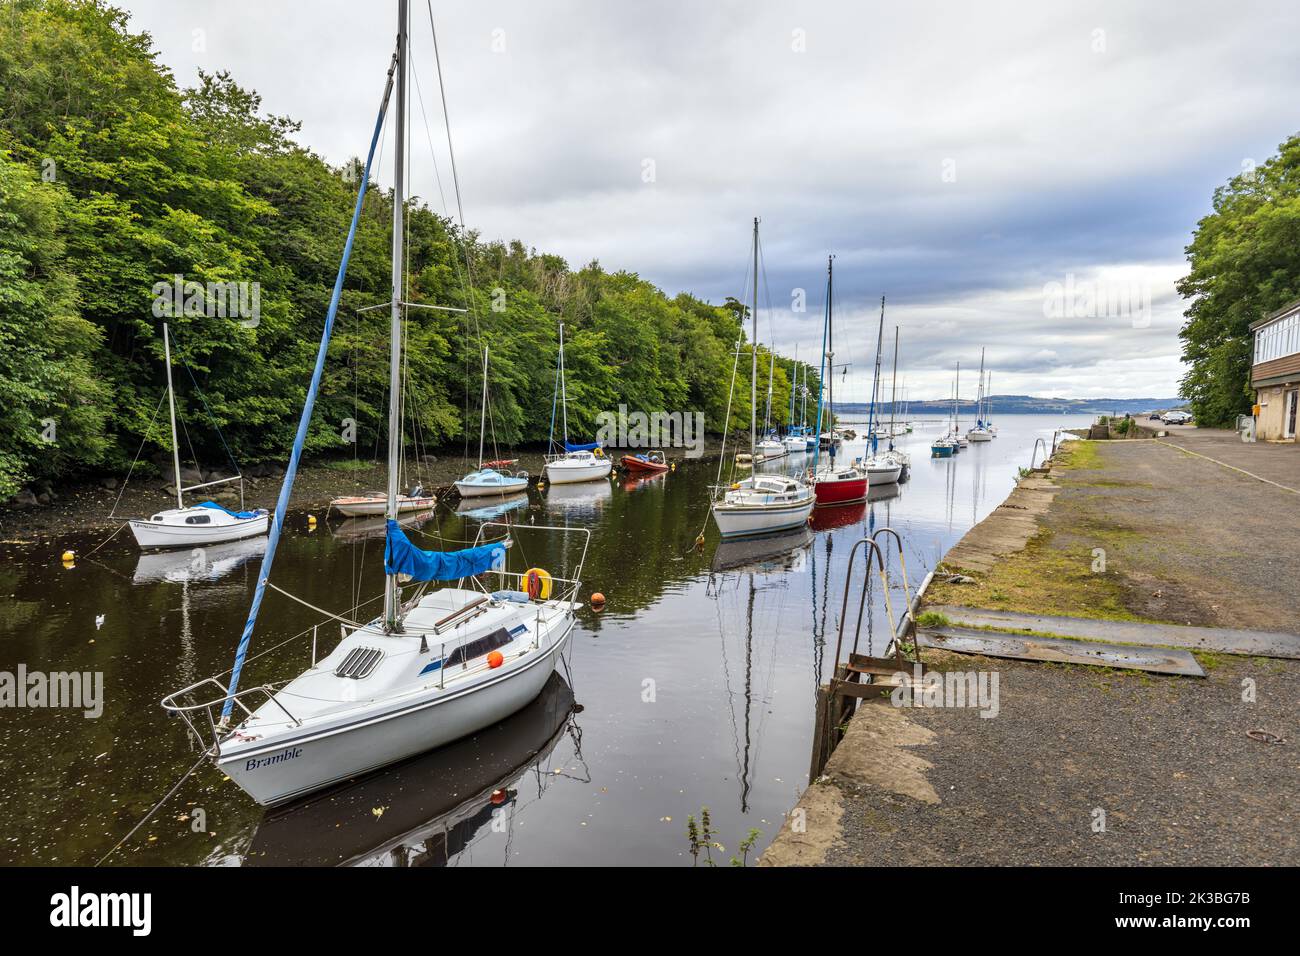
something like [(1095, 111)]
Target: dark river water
[(693, 688)]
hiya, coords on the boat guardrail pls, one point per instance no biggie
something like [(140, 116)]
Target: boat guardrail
[(177, 703), (571, 585)]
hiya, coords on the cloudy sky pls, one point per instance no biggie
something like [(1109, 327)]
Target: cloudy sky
[(1007, 175)]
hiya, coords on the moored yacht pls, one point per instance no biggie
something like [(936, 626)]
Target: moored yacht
[(435, 665), (760, 503)]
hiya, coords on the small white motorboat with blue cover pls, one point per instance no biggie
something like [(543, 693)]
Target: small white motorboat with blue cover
[(202, 524)]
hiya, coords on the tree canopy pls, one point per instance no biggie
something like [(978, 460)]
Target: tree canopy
[(113, 179), (1245, 263)]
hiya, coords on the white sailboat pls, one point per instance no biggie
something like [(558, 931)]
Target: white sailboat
[(760, 504), (880, 469), (205, 523), (434, 666), (575, 462), (980, 432), (489, 481), (894, 455)]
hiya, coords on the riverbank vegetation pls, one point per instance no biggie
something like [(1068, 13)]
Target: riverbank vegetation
[(1244, 263), (113, 178)]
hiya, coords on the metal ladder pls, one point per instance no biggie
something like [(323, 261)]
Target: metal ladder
[(837, 700)]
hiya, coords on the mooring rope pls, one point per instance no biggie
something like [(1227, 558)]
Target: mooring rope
[(156, 807)]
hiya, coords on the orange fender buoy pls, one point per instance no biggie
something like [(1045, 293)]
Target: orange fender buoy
[(495, 659), (597, 600)]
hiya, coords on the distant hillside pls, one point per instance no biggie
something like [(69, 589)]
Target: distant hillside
[(1022, 405)]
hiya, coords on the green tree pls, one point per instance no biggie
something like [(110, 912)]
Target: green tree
[(1245, 263)]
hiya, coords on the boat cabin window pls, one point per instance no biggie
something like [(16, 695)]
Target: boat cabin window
[(198, 519), (484, 645)]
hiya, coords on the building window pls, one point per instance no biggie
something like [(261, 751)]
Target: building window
[(1278, 339)]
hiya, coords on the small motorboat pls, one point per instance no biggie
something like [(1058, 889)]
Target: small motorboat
[(489, 482), (770, 448), (652, 463), (357, 506), (573, 462), (492, 479), (881, 469), (761, 504), (202, 524), (576, 466), (205, 523)]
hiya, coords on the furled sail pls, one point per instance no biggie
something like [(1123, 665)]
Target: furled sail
[(402, 557)]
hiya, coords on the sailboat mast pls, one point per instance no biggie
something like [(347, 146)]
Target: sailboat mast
[(171, 403), (794, 386), (482, 422), (753, 375), (893, 391), (771, 374), (979, 399), (956, 402), (564, 393), (830, 358), (821, 375), (392, 599)]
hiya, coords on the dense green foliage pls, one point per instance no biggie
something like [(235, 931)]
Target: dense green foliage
[(1245, 263), (112, 179)]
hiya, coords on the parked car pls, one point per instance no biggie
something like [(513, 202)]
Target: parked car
[(1154, 417), (1177, 418)]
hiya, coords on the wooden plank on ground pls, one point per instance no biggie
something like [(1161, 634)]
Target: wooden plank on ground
[(1157, 660), (1224, 640)]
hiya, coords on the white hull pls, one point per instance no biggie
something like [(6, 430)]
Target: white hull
[(976, 435), (510, 486), (286, 760), (566, 471), (738, 520), (360, 507), (884, 476), (152, 534)]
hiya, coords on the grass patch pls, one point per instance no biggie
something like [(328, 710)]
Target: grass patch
[(1041, 579), (933, 619), (1209, 660), (1078, 454)]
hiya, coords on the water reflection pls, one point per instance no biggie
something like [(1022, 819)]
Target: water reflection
[(489, 509), (734, 637), (433, 809), (358, 528), (208, 563), (579, 499), (786, 551)]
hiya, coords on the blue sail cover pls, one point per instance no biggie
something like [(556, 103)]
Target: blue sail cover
[(234, 514), (402, 557), (570, 446)]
